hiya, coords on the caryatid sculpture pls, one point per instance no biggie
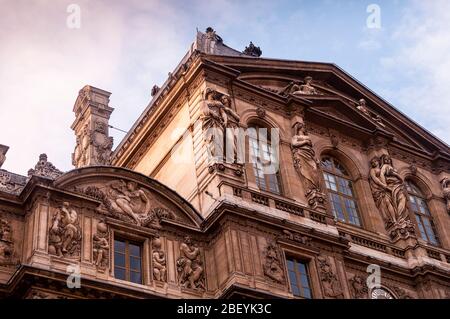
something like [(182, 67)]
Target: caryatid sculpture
[(307, 166), (101, 246), (388, 191), (190, 265), (231, 124), (213, 125), (446, 191)]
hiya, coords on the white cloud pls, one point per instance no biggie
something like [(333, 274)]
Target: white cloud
[(423, 36)]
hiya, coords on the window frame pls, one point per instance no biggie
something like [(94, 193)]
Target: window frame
[(266, 186), (416, 194), (127, 269), (298, 276), (342, 195)]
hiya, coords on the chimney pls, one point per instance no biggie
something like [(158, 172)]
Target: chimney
[(91, 127), (3, 150)]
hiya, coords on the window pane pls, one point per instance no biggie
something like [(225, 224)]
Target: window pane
[(135, 277), (119, 246), (421, 228), (429, 230), (119, 259), (135, 250), (119, 273), (135, 263), (307, 293), (295, 290), (290, 264)]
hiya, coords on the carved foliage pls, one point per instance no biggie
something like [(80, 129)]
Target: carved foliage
[(272, 263), (65, 233), (101, 247), (358, 287), (45, 168), (190, 266), (330, 282)]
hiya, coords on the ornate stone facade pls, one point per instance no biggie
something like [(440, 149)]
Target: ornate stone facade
[(359, 187)]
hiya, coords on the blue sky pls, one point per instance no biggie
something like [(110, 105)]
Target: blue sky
[(126, 47)]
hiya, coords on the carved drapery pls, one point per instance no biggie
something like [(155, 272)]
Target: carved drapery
[(65, 233), (390, 197), (272, 263), (190, 266), (330, 282), (220, 125), (307, 166), (158, 261), (446, 191), (101, 247)]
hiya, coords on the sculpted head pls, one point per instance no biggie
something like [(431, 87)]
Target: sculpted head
[(225, 99), (375, 162), (308, 80), (131, 186), (362, 102), (209, 94), (386, 159), (187, 240)]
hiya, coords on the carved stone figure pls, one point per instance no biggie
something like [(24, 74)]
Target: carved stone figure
[(190, 266), (11, 183), (330, 282), (446, 191), (297, 88), (3, 151), (252, 50), (231, 124), (401, 293), (6, 243), (213, 125), (359, 287), (65, 233), (126, 198), (362, 107), (159, 261), (101, 247), (272, 264), (102, 143), (306, 165), (45, 168), (155, 90), (389, 194)]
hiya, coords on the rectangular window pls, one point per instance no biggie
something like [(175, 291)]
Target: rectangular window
[(299, 278), (127, 261)]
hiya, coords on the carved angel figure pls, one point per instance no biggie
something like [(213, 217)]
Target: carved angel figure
[(189, 265), (65, 233)]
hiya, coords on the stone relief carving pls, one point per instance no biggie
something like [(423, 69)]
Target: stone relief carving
[(446, 191), (359, 287), (6, 243), (11, 183), (102, 143), (307, 165), (297, 88), (218, 117), (65, 233), (388, 191), (101, 247), (252, 50), (330, 282), (128, 202), (401, 293), (159, 261), (272, 263), (3, 151), (45, 168), (190, 266), (299, 238), (362, 107)]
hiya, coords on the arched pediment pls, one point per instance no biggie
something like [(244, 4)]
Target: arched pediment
[(130, 196)]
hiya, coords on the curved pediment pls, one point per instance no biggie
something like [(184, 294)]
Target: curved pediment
[(130, 196)]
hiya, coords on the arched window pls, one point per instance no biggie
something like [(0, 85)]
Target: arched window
[(262, 159), (340, 191), (422, 213)]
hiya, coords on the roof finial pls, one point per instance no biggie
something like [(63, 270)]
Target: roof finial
[(252, 50)]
